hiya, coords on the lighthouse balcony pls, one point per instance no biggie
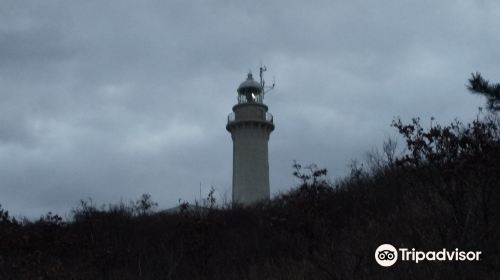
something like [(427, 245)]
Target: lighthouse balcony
[(266, 117)]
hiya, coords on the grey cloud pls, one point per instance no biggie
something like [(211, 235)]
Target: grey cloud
[(113, 99)]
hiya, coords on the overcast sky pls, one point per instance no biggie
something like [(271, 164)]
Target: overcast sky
[(112, 99)]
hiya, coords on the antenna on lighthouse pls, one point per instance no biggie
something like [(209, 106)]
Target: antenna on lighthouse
[(265, 89)]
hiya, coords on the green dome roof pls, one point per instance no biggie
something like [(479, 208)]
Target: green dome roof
[(250, 83)]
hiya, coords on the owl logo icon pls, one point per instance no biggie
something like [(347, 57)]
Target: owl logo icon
[(386, 255)]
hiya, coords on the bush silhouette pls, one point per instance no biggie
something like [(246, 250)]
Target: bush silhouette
[(443, 192)]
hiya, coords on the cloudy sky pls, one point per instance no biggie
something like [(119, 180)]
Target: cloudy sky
[(112, 99)]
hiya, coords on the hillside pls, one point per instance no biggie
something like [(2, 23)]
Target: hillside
[(443, 193)]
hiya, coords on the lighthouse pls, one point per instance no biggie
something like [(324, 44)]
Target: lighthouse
[(250, 125)]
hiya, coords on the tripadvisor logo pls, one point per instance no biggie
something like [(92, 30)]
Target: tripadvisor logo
[(387, 255)]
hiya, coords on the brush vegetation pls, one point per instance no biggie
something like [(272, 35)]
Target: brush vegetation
[(442, 192)]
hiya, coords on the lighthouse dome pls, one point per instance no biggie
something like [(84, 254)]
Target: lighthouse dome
[(250, 84)]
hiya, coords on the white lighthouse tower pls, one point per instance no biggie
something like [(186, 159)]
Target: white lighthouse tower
[(250, 126)]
